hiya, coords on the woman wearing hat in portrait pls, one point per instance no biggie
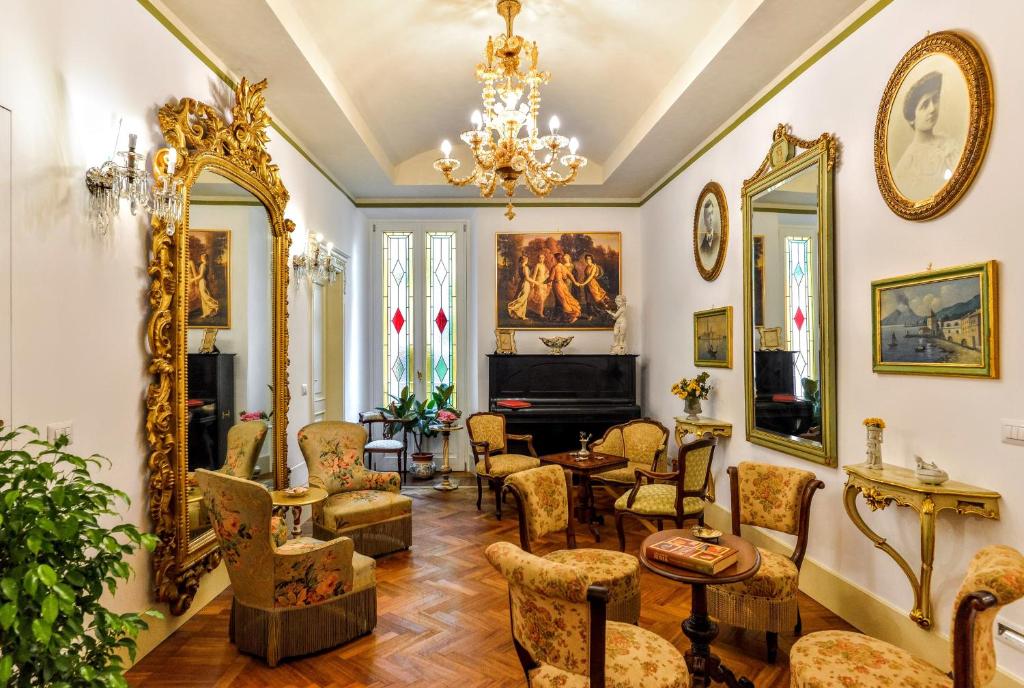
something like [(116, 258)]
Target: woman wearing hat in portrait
[(930, 158)]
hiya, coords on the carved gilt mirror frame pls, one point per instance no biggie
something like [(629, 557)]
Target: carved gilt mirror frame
[(782, 163), (236, 150)]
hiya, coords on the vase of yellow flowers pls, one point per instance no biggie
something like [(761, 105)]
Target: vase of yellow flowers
[(874, 426), (691, 391)]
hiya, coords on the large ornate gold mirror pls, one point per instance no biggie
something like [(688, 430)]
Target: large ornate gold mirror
[(788, 299), (218, 328)]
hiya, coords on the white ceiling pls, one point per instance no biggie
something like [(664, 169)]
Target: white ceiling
[(369, 89)]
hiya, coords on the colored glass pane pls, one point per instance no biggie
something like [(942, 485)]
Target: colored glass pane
[(397, 291), (441, 341), (800, 308)]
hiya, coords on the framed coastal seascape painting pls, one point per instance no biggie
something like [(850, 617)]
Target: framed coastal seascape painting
[(557, 280), (712, 338), (940, 322)]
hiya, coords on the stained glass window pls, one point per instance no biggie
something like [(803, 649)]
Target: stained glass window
[(442, 320), (800, 308), (398, 320)]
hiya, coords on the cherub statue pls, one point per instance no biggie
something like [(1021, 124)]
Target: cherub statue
[(619, 330)]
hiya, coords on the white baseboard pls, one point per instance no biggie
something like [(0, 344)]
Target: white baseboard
[(859, 607)]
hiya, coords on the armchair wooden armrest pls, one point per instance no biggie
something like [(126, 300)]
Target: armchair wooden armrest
[(640, 474), (803, 531), (481, 452), (522, 438)]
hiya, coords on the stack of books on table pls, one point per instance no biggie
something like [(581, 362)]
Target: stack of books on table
[(694, 555)]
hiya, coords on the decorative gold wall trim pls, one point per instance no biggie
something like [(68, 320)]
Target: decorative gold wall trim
[(235, 150), (856, 24), (861, 608)]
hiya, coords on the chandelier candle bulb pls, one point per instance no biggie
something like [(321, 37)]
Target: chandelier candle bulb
[(574, 145), (446, 148), (553, 124)]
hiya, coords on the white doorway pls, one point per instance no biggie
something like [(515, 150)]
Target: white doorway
[(327, 345), (6, 280)]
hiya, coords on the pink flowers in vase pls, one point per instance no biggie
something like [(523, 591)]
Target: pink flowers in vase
[(246, 416), (447, 417)]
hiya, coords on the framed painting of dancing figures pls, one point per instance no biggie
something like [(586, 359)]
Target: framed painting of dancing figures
[(209, 279), (558, 280)]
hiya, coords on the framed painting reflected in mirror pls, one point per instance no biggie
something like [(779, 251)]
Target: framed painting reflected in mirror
[(710, 231), (209, 279), (933, 125)]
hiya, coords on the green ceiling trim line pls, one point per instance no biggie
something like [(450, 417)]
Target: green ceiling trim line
[(212, 66), (786, 81)]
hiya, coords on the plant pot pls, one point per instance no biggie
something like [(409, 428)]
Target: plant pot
[(422, 465), (692, 408)]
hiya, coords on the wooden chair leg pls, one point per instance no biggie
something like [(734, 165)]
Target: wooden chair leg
[(479, 492), (619, 528), (799, 628), (661, 524), (773, 646), (497, 499)]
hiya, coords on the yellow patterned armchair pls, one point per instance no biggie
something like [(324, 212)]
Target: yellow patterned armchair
[(776, 498), (244, 443), (544, 496), (489, 442), (562, 637), (365, 505), (291, 597), (644, 442), (994, 579), (674, 496)]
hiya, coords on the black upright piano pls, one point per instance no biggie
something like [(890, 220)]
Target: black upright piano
[(567, 394)]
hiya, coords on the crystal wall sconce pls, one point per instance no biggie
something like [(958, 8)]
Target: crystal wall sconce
[(318, 262), (125, 177)]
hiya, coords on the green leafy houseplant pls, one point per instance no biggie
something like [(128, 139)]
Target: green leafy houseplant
[(407, 413), (57, 556)]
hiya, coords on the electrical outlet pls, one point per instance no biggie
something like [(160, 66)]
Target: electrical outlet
[(55, 430), (1013, 431)]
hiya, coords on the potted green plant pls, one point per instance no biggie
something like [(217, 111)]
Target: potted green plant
[(418, 418), (58, 556)]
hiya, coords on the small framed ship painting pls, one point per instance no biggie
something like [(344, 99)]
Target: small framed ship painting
[(940, 322), (712, 338)]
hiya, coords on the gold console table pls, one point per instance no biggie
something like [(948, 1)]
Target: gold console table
[(703, 427), (897, 485)]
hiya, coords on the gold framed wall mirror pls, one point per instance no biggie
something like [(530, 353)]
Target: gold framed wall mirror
[(788, 291), (225, 268)]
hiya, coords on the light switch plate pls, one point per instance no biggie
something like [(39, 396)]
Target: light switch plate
[(1012, 431), (305, 389), (55, 430)]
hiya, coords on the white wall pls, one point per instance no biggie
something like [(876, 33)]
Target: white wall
[(68, 72), (954, 422)]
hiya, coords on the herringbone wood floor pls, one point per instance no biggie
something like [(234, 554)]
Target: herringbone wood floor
[(442, 618)]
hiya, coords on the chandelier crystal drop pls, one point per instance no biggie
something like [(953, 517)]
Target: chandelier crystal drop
[(505, 139)]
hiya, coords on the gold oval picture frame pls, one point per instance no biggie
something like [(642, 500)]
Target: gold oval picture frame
[(710, 231), (933, 125)]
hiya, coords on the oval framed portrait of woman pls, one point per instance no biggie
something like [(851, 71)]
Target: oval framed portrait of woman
[(710, 231), (933, 125)]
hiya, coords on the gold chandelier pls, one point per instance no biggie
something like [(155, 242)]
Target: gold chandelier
[(500, 154)]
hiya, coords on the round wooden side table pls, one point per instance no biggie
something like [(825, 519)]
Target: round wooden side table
[(705, 667), (284, 501)]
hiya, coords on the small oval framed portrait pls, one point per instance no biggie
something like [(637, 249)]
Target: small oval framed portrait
[(710, 231), (933, 125)]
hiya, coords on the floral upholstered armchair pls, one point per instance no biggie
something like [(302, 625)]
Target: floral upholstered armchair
[(776, 498), (672, 496), (245, 440), (544, 497), (561, 634), (291, 597), (494, 463), (995, 578), (644, 442), (365, 505)]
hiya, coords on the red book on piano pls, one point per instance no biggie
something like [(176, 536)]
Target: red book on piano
[(513, 403)]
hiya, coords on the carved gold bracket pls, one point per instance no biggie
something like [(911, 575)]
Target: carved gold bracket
[(236, 149), (895, 485)]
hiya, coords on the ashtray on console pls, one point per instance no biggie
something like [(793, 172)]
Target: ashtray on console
[(300, 491), (706, 534)]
